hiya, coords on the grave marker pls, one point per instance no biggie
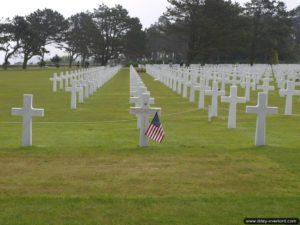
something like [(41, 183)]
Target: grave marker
[(266, 86), (27, 112), (261, 110), (144, 112), (54, 80), (233, 100), (215, 93), (138, 101), (74, 89), (289, 92), (202, 89)]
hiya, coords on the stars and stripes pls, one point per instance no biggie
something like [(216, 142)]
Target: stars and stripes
[(155, 130)]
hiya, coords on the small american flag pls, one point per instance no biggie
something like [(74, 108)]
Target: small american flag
[(155, 130)]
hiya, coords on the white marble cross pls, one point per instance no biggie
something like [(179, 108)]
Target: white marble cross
[(262, 110), (194, 86), (179, 81), (186, 85), (247, 86), (215, 93), (233, 100), (144, 112), (54, 80), (66, 77), (135, 86), (85, 85), (233, 79), (80, 88), (138, 91), (175, 80), (202, 89), (27, 112), (281, 83), (92, 86), (138, 101), (266, 87), (61, 81), (74, 89), (223, 80), (289, 93)]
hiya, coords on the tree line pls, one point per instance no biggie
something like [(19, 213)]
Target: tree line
[(218, 31), (190, 31), (104, 34)]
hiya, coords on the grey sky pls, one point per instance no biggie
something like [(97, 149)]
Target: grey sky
[(148, 11)]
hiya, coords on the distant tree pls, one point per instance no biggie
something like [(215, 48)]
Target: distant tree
[(155, 41), (296, 31), (41, 28), (113, 24), (166, 39), (42, 63), (214, 29), (221, 34), (79, 36), (270, 28), (10, 41), (56, 60), (134, 41), (31, 44), (69, 41), (188, 14)]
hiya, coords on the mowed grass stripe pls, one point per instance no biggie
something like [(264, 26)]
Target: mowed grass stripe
[(147, 211)]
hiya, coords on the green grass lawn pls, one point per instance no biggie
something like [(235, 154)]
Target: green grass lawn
[(86, 167)]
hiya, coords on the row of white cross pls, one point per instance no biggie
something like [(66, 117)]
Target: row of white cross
[(199, 79), (175, 82), (140, 97), (287, 71), (257, 71), (89, 80), (226, 74), (83, 82), (93, 80)]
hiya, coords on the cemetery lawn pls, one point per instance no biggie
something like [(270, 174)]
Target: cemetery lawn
[(85, 166)]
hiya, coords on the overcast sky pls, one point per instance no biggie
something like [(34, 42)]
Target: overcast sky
[(148, 11)]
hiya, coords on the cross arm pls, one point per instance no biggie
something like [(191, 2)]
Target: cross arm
[(252, 109), (225, 99), (38, 112), (142, 111), (16, 112)]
